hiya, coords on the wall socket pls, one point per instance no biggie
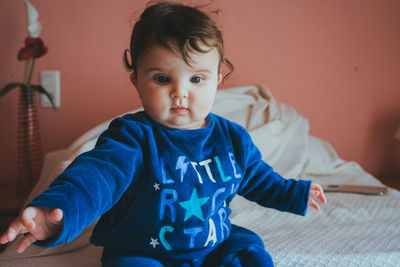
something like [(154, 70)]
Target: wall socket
[(50, 80)]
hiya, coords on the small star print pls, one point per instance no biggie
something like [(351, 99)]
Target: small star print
[(154, 242), (156, 186)]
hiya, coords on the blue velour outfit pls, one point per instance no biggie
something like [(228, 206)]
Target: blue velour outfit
[(163, 194)]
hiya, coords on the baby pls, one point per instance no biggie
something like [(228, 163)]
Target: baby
[(161, 180)]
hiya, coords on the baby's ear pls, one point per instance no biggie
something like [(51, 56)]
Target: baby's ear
[(133, 78)]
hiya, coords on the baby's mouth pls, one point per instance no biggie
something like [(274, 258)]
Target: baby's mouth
[(180, 110)]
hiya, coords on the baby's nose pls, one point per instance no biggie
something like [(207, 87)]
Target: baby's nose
[(180, 91)]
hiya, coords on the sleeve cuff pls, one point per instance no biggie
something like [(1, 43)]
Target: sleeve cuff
[(303, 196)]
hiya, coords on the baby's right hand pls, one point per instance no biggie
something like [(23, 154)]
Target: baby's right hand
[(39, 223)]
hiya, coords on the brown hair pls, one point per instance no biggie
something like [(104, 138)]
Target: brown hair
[(173, 25)]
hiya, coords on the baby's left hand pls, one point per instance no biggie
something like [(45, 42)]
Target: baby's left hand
[(316, 192)]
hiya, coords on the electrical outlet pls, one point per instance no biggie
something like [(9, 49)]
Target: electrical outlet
[(50, 80)]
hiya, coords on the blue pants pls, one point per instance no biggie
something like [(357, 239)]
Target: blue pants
[(243, 248)]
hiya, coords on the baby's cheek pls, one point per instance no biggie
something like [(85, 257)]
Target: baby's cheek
[(205, 102)]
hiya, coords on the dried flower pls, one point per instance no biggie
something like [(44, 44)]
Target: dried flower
[(34, 48)]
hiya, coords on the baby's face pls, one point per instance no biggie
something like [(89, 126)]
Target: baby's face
[(173, 93)]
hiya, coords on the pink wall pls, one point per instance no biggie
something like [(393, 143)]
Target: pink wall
[(336, 62)]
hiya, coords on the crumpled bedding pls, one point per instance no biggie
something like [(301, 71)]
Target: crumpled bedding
[(351, 230)]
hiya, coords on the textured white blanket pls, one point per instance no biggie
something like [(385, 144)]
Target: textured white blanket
[(352, 230)]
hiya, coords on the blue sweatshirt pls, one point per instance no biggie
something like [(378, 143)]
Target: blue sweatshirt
[(166, 191)]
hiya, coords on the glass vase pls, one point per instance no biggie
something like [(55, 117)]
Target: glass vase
[(29, 154)]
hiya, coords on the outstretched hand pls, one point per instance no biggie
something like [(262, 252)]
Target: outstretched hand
[(316, 192), (38, 223)]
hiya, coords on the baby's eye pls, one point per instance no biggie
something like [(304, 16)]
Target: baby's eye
[(196, 79), (161, 78)]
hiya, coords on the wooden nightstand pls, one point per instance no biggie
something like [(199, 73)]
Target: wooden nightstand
[(391, 180), (10, 205)]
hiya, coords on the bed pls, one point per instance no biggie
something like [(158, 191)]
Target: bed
[(351, 230)]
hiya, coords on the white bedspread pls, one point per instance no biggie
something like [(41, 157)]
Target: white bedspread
[(352, 230)]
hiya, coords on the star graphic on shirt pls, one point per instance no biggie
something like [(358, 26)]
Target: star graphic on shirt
[(154, 242), (193, 206), (156, 186)]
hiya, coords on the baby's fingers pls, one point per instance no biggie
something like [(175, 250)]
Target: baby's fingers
[(314, 204), (27, 217), (8, 236), (322, 197), (13, 231), (318, 192), (314, 193), (26, 242), (56, 216)]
